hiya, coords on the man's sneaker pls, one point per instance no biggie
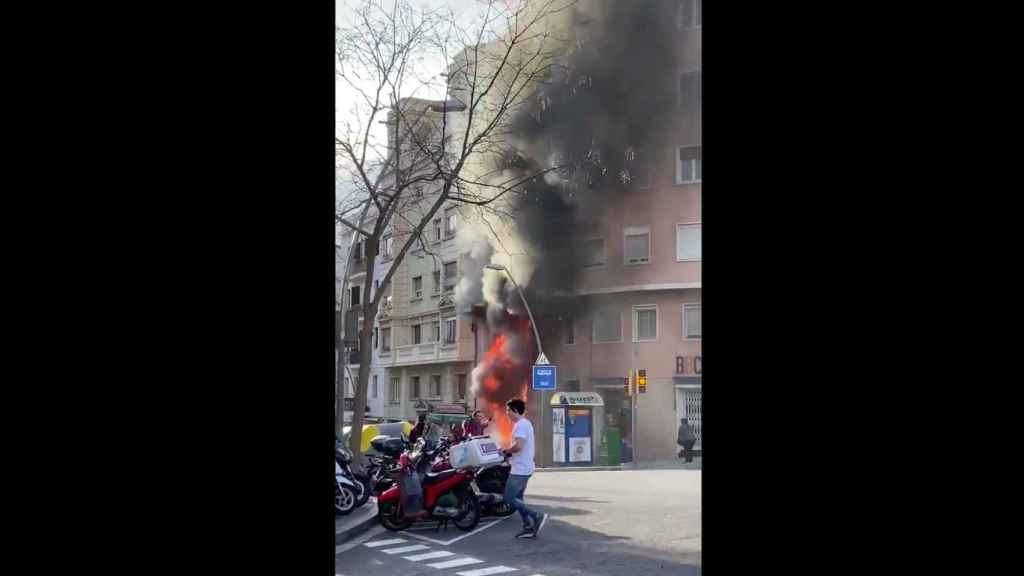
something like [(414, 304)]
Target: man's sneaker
[(540, 525), (526, 532)]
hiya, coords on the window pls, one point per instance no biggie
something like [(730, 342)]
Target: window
[(376, 339), (691, 14), (417, 288), (435, 385), (593, 253), (691, 321), (460, 386), (690, 89), (450, 276), (645, 323), (449, 331), (638, 245), (437, 281), (435, 331), (353, 298), (437, 229), (395, 393), (414, 387), (385, 336), (389, 244), (688, 164), (417, 334), (451, 222), (357, 253), (688, 242), (374, 386), (570, 331), (607, 326)]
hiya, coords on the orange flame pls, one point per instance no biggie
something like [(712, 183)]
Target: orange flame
[(498, 361)]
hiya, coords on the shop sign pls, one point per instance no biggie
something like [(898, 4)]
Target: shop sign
[(689, 365), (577, 399), (449, 408)]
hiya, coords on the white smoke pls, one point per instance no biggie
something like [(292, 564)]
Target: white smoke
[(475, 247)]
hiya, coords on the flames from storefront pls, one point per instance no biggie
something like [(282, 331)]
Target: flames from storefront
[(504, 371)]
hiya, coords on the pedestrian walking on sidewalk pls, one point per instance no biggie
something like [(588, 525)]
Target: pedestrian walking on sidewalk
[(686, 439), (521, 452)]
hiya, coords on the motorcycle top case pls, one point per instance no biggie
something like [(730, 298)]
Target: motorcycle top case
[(475, 453)]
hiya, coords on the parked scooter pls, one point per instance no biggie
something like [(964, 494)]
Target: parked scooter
[(362, 487), (488, 484), (445, 496), (344, 492)]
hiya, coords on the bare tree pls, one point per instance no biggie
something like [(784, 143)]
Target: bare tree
[(446, 140)]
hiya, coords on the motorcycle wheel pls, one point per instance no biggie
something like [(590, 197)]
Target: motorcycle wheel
[(344, 500), (470, 514), (366, 490), (391, 517)]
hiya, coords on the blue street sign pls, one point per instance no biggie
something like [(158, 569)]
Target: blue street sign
[(544, 376)]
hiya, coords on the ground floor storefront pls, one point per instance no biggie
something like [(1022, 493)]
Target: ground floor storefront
[(597, 427)]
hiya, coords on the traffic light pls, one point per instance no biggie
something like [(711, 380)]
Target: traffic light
[(627, 384), (641, 381)]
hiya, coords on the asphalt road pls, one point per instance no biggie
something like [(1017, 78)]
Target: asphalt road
[(632, 522)]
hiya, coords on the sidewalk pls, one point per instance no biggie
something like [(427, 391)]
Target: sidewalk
[(360, 520), (674, 464)]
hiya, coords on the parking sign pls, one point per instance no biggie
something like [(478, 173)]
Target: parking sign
[(544, 376)]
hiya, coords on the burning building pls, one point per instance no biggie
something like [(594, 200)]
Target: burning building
[(613, 230), (606, 243)]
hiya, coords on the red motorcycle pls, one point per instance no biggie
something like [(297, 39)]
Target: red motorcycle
[(446, 495), (488, 481)]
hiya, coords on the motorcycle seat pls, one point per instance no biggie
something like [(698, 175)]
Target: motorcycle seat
[(432, 477)]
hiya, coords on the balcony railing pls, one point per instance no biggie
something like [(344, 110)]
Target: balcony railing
[(419, 353)]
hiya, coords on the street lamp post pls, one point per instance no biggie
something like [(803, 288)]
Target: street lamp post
[(541, 358)]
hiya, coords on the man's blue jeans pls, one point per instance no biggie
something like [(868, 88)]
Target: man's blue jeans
[(515, 488)]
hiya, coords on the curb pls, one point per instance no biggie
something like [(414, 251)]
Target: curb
[(342, 536), (582, 468)]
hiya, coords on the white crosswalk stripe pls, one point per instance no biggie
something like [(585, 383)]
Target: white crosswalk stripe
[(404, 549), (384, 542), (429, 556), (487, 571), (457, 562)]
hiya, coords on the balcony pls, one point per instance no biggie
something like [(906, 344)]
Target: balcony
[(425, 353)]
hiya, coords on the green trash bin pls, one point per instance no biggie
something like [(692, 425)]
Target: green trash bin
[(610, 454)]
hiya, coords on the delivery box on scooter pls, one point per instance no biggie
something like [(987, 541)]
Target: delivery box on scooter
[(474, 453)]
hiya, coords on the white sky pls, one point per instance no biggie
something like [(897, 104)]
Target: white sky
[(343, 94)]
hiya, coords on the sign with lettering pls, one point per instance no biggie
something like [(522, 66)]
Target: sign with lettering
[(689, 365), (449, 408), (544, 376), (577, 399)]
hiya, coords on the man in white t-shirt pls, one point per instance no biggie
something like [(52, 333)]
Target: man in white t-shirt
[(521, 459)]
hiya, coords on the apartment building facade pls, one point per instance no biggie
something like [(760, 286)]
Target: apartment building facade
[(638, 283)]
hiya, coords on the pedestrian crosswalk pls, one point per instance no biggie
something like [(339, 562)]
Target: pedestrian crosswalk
[(456, 563), (487, 571), (429, 556), (447, 559), (405, 549)]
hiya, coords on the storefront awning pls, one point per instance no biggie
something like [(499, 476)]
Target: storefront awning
[(577, 399)]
